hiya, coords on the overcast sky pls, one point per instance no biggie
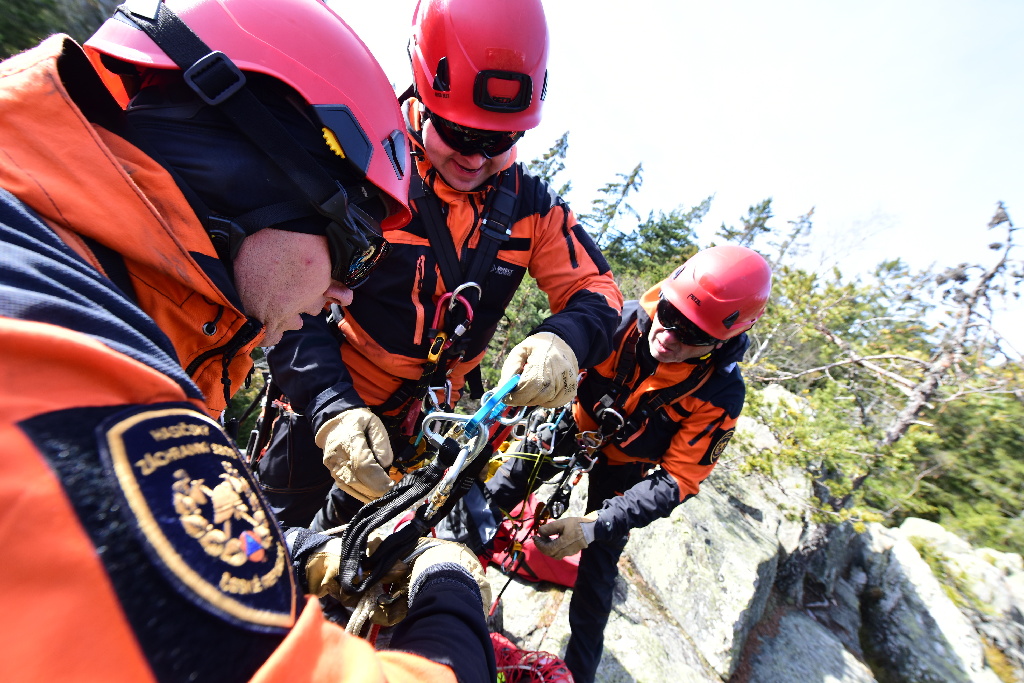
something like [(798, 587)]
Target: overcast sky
[(900, 122)]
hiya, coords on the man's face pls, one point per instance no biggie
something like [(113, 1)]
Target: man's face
[(280, 275), (666, 348), (463, 173)]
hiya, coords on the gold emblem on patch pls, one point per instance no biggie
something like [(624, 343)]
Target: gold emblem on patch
[(195, 504), (719, 447)]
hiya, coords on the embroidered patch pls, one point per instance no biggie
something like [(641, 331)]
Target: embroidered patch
[(718, 444), (194, 503)]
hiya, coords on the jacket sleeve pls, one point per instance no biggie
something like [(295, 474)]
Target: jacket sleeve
[(584, 299), (307, 365), (702, 437), (446, 624), (653, 497)]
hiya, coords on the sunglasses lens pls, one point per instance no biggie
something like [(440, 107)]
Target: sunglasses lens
[(685, 330), (469, 141), (356, 248)]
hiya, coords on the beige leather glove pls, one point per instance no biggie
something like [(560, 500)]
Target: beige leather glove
[(357, 451), (322, 569), (548, 369), (571, 535), (388, 607), (435, 553), (385, 608)]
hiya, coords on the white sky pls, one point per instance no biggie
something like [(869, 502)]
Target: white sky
[(901, 122)]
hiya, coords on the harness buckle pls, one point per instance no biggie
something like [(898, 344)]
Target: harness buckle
[(610, 427)]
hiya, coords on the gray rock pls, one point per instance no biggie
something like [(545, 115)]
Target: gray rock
[(795, 648), (911, 623), (738, 586)]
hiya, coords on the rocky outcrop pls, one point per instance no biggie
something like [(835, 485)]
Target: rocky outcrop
[(736, 586)]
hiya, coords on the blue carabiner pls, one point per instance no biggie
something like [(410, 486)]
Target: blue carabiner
[(491, 406)]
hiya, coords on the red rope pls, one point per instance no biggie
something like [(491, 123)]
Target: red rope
[(527, 666)]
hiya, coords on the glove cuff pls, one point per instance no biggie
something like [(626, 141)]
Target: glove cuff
[(301, 544), (320, 438)]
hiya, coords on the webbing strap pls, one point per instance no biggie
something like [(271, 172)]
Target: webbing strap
[(496, 225), (627, 358), (440, 237)]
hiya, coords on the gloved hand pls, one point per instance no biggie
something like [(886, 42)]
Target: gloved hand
[(357, 451), (436, 555), (548, 370), (385, 608), (573, 535), (322, 569)]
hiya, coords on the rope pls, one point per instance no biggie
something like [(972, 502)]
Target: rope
[(363, 611), (527, 666)]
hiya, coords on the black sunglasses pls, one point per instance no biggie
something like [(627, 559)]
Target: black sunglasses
[(357, 247), (470, 141), (685, 330)]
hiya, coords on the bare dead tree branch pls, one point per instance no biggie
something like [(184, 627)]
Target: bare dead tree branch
[(859, 360), (953, 346)]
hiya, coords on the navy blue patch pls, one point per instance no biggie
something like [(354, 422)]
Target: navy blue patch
[(719, 441), (195, 505)]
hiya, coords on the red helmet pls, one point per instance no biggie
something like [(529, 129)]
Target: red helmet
[(307, 46), (481, 63), (724, 290)]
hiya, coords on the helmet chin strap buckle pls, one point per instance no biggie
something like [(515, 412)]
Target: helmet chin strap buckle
[(226, 236), (214, 78)]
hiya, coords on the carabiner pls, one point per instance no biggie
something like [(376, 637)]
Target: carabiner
[(431, 396), (458, 293), (436, 325), (603, 414)]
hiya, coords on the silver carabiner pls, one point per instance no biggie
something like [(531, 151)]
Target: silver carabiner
[(618, 416), (458, 291)]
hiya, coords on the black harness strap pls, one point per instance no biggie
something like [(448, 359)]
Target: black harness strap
[(496, 225), (220, 83), (495, 229), (627, 358), (656, 399), (439, 235)]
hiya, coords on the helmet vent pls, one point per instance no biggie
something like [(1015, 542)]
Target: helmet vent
[(731, 320), (441, 80)]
